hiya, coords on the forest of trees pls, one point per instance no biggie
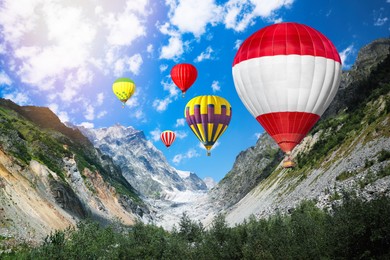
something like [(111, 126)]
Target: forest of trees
[(357, 229)]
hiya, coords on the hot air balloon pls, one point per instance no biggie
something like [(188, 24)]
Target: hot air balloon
[(168, 137), (123, 88), (208, 117), (184, 75), (286, 75)]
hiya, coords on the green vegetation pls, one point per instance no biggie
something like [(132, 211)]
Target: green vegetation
[(362, 110), (345, 175), (26, 141), (383, 156), (354, 230)]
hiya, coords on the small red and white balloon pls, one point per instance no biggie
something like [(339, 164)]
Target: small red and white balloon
[(168, 137)]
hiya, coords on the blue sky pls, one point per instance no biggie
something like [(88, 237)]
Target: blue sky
[(66, 54)]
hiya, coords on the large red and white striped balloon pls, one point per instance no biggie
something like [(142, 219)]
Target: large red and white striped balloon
[(168, 137), (287, 74)]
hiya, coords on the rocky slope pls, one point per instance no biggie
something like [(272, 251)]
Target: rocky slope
[(347, 151), (50, 180)]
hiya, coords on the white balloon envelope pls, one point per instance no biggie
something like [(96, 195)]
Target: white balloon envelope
[(286, 75)]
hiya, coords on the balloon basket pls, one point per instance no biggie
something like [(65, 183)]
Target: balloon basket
[(288, 164), (208, 153), (183, 94)]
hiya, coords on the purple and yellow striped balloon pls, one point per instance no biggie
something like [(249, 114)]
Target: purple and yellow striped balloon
[(208, 117)]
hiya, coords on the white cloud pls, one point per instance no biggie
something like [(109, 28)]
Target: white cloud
[(277, 20), (58, 47), (18, 98), (162, 104), (88, 125), (100, 98), (163, 67), (191, 153), (237, 44), (89, 113), (62, 115), (173, 50), (5, 79), (101, 114), (19, 18), (379, 20), (215, 86), (135, 63), (139, 114), (155, 134), (2, 49), (257, 135), (133, 101), (128, 64), (239, 14), (124, 28), (180, 122), (344, 55), (216, 144), (150, 48), (61, 50), (74, 82), (193, 16), (181, 134), (171, 88), (206, 55)]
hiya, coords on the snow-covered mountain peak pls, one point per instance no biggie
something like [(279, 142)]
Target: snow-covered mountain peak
[(142, 164), (183, 174), (210, 182), (116, 132)]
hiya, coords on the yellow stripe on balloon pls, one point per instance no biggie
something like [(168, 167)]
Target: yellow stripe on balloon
[(195, 132), (202, 133), (217, 133), (210, 132)]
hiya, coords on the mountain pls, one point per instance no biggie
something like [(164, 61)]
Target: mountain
[(167, 191), (51, 176), (142, 164), (348, 151)]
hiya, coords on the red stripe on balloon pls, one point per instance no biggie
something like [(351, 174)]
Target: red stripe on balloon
[(288, 128), (286, 39)]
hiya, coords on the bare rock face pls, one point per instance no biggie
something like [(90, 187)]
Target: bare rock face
[(251, 167), (67, 199), (368, 59)]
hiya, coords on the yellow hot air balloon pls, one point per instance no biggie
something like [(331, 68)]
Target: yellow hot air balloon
[(208, 117), (123, 89)]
